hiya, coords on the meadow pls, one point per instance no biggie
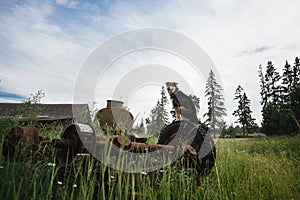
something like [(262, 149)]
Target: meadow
[(256, 168)]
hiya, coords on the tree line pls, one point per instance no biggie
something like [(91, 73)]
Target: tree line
[(280, 98)]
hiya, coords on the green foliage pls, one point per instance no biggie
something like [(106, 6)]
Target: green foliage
[(237, 132), (287, 82), (272, 78), (28, 115), (215, 99), (278, 121), (295, 105), (243, 111), (30, 109), (52, 130), (156, 122), (296, 73), (263, 89), (280, 102), (6, 124), (159, 116), (230, 131)]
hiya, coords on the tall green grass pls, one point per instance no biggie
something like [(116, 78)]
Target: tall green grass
[(245, 169)]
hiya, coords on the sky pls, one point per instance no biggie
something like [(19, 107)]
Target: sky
[(46, 44)]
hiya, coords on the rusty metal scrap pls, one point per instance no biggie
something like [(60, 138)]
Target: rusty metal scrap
[(80, 139), (70, 145), (21, 139)]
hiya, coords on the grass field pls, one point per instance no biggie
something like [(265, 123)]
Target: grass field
[(265, 168)]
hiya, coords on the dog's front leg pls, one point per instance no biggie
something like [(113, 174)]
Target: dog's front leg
[(177, 111)]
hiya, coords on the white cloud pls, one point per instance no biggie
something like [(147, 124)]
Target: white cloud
[(66, 3), (41, 55), (225, 30), (237, 35), (61, 2)]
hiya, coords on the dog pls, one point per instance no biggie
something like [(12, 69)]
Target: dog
[(183, 105)]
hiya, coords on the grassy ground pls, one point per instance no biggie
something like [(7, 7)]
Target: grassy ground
[(265, 168), (259, 168)]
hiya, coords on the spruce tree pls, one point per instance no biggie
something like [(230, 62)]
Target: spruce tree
[(287, 82), (163, 103), (263, 89), (279, 116), (295, 106), (272, 78), (243, 111), (196, 101), (216, 110), (158, 115), (296, 73), (271, 110)]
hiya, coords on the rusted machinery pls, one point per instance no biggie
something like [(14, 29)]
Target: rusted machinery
[(81, 138), (20, 137), (189, 141), (24, 143)]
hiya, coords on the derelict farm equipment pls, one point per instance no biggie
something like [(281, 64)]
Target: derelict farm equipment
[(179, 140)]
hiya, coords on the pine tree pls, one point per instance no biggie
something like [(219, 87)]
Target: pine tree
[(271, 109), (154, 123), (243, 111), (295, 106), (238, 92), (238, 96), (216, 110), (163, 103), (196, 101), (287, 82), (279, 111), (158, 116), (272, 79), (296, 73), (263, 90)]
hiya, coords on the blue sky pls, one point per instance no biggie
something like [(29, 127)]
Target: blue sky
[(11, 96), (45, 43)]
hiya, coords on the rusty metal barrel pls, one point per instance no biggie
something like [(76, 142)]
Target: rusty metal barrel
[(115, 116), (23, 141)]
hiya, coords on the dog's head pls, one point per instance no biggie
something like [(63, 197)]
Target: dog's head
[(171, 87)]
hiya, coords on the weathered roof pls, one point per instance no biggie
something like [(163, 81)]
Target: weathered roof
[(47, 111)]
